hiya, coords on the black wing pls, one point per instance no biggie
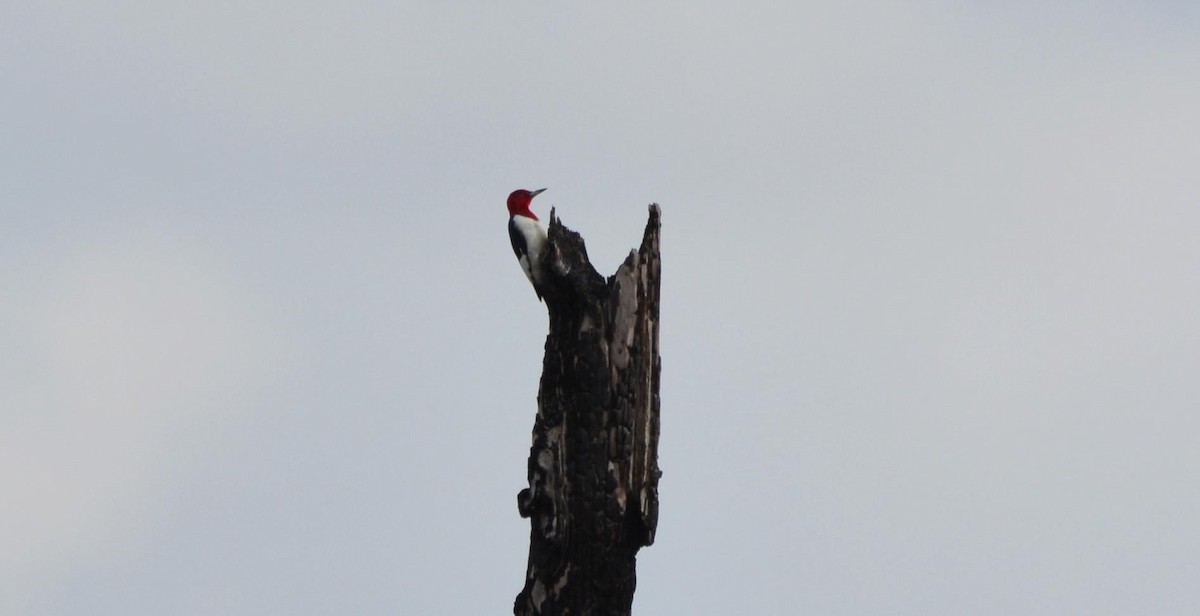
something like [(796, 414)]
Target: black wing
[(518, 240)]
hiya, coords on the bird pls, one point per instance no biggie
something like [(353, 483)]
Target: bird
[(527, 236)]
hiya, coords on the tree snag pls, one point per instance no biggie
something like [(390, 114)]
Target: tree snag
[(592, 499)]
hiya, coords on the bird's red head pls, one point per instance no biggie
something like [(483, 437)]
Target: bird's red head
[(519, 200)]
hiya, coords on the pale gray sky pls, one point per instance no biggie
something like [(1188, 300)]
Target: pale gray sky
[(930, 333)]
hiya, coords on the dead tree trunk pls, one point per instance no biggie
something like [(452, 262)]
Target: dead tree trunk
[(592, 498)]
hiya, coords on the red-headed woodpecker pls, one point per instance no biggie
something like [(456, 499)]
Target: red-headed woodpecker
[(527, 235)]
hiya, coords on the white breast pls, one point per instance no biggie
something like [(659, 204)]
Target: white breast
[(535, 241)]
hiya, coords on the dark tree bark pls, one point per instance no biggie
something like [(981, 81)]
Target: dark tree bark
[(592, 499)]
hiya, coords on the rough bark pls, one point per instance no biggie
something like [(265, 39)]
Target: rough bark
[(592, 498)]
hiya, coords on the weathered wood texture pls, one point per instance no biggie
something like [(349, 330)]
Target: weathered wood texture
[(592, 498)]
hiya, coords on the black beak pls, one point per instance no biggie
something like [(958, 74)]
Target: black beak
[(536, 192)]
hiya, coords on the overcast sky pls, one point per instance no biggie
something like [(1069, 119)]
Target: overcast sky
[(930, 335)]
